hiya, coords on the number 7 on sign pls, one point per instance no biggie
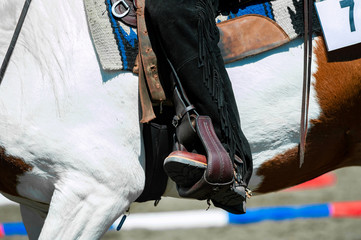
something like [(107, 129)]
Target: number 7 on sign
[(351, 4)]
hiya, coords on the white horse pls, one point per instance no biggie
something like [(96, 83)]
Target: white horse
[(70, 147)]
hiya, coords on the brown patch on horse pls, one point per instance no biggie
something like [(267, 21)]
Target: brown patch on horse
[(10, 168), (334, 140)]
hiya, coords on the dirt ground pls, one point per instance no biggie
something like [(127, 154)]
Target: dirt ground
[(347, 188)]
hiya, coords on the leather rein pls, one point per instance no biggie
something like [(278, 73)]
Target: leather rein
[(307, 8), (14, 39)]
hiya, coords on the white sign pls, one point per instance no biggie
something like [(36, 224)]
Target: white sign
[(340, 21)]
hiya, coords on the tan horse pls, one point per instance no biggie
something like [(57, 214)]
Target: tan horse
[(70, 147)]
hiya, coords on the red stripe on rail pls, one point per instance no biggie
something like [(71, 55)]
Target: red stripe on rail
[(2, 232), (345, 209)]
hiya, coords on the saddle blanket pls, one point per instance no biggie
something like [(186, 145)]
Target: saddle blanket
[(116, 44)]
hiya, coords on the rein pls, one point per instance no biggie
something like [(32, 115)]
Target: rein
[(306, 77), (14, 39)]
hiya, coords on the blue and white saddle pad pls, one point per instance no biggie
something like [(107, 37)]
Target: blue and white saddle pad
[(117, 44)]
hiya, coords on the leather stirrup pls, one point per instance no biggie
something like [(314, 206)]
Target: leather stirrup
[(219, 173), (189, 128)]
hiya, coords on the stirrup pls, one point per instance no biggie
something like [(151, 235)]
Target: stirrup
[(219, 182), (219, 173)]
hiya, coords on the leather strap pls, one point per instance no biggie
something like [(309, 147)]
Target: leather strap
[(147, 56), (182, 121), (145, 102), (306, 77), (149, 83)]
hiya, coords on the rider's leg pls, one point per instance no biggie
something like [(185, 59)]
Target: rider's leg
[(188, 36)]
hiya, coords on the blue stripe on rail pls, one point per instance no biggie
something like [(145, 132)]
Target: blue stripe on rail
[(12, 229), (280, 213)]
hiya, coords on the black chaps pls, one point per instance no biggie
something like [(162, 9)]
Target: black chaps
[(185, 32)]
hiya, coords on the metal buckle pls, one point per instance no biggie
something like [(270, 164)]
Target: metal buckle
[(175, 121), (125, 5)]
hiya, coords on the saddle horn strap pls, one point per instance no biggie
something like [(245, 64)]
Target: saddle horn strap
[(147, 56)]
